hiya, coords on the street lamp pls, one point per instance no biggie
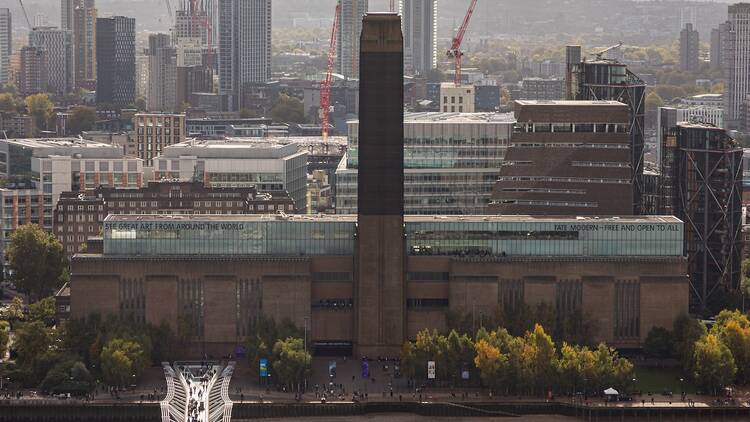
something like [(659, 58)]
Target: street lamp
[(305, 323), (682, 389)]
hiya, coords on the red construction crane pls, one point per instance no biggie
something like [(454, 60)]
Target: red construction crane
[(455, 50), (325, 85)]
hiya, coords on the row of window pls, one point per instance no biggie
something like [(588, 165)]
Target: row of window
[(532, 203), (546, 190), (567, 145), (561, 179), (571, 127)]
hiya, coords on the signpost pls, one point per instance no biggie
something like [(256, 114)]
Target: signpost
[(431, 370), (263, 368)]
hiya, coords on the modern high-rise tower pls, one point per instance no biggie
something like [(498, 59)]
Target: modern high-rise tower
[(380, 287), (420, 35), (689, 49), (162, 83), (717, 47), (350, 27), (58, 47), (115, 61), (6, 43), (244, 47), (79, 16), (736, 56)]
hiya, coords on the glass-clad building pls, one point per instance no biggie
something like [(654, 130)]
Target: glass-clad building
[(451, 162), (484, 236)]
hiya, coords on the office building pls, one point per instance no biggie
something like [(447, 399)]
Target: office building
[(457, 99), (689, 49), (704, 169), (539, 89), (60, 165), (192, 80), (718, 40), (78, 216), (32, 78), (420, 35), (115, 58), (162, 85), (364, 284), (58, 48), (350, 28), (487, 96), (270, 165), (566, 158), (80, 16), (17, 126), (220, 127), (142, 67), (22, 204), (6, 44), (737, 63), (610, 80), (154, 132), (451, 163), (244, 47)]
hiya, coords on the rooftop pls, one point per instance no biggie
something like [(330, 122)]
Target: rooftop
[(409, 218), (241, 148), (569, 103), (442, 117), (57, 143)]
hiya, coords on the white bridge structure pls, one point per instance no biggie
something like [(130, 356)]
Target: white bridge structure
[(197, 392)]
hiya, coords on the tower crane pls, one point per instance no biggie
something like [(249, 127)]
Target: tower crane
[(28, 22), (169, 9), (455, 52), (602, 52), (393, 6), (325, 85)]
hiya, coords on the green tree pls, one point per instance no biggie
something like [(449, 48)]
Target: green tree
[(733, 330), (8, 103), (687, 331), (68, 376), (82, 119), (4, 338), (288, 110), (43, 310), (40, 108), (291, 363), (31, 340), (714, 364), (121, 361), (659, 343), (37, 261), (540, 355)]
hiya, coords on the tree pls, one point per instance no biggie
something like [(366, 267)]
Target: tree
[(4, 338), (540, 358), (687, 331), (732, 328), (31, 340), (714, 364), (8, 103), (37, 261), (122, 360), (492, 364), (659, 343), (68, 377), (39, 107), (653, 101), (43, 310), (288, 110), (291, 363), (82, 119)]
